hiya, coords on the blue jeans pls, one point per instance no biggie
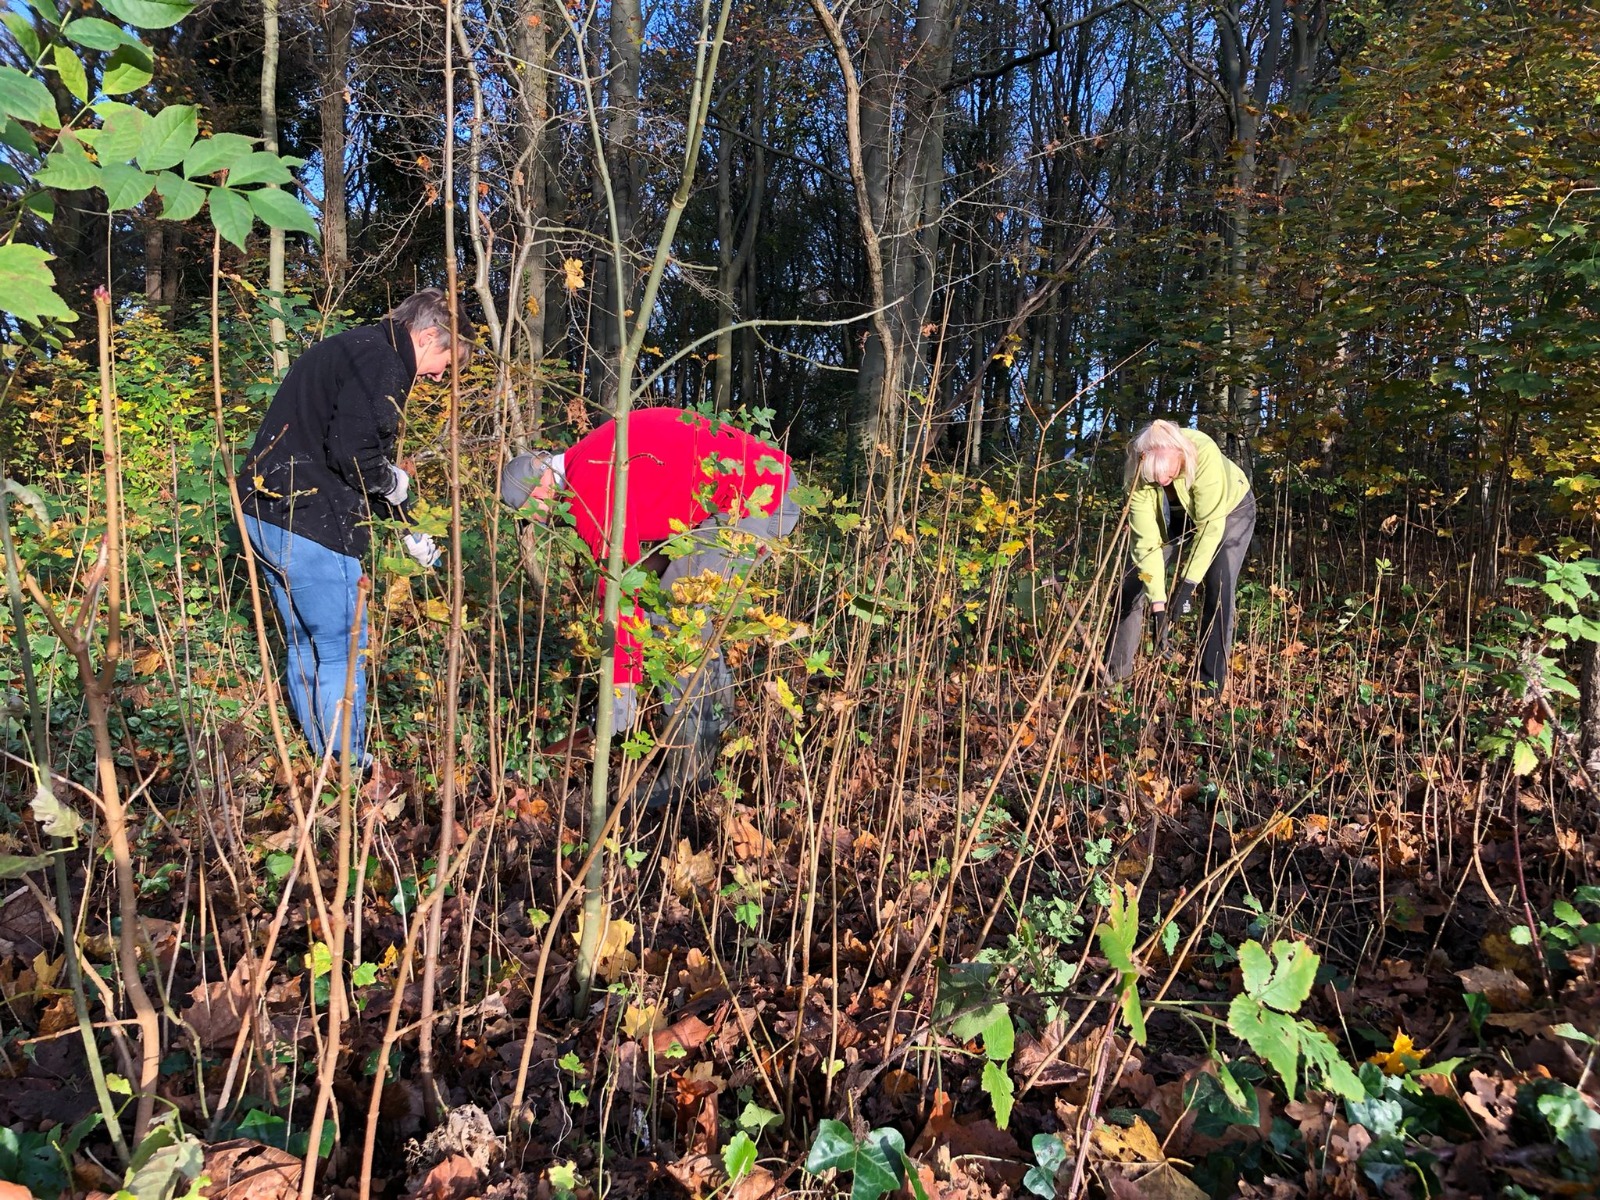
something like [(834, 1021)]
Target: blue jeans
[(314, 589)]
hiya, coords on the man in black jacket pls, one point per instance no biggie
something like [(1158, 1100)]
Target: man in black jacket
[(321, 466)]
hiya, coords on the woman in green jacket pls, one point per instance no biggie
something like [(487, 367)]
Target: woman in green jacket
[(1182, 484)]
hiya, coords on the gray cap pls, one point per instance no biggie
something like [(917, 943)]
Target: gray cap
[(522, 474)]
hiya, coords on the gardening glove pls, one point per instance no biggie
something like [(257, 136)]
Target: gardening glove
[(1179, 602), (421, 547), (624, 707), (400, 488), (1161, 629)]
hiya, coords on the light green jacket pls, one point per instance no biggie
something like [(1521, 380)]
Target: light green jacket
[(1219, 484)]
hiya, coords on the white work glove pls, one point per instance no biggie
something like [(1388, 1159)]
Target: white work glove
[(420, 546), (624, 707), (397, 494)]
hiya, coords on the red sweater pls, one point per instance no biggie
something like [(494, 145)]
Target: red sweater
[(678, 470)]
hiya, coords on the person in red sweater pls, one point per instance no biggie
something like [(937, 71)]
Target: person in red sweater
[(685, 472)]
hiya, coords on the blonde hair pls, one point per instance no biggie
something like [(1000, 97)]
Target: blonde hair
[(1153, 445)]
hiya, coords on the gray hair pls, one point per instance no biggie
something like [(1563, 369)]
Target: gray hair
[(430, 309), (522, 474), (1154, 444)]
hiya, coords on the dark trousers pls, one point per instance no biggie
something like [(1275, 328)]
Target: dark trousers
[(692, 753), (1217, 611)]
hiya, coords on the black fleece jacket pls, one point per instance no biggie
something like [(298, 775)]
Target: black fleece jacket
[(321, 463)]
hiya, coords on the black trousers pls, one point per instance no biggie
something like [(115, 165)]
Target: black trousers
[(1217, 611)]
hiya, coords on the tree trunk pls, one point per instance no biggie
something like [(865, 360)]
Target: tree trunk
[(734, 259), (269, 139), (338, 23), (621, 139), (1589, 710), (155, 244), (903, 166), (529, 304)]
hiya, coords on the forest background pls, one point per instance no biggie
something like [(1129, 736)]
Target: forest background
[(957, 919)]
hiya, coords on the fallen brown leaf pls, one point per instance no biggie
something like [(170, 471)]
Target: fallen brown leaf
[(697, 1174), (689, 1032), (242, 1169), (1503, 990), (689, 872), (699, 973), (453, 1179), (746, 840), (757, 1185), (217, 1009), (1163, 1183)]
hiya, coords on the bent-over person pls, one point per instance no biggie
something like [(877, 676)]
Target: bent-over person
[(1183, 489)]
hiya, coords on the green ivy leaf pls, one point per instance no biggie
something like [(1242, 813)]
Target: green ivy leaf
[(258, 167), (24, 97), (122, 129), (231, 214), (22, 29), (181, 198), (73, 76), (125, 186), (168, 137), (880, 1164), (280, 210), (1274, 1036), (148, 14), (216, 153), (1049, 1151), (1040, 1182), (27, 288), (833, 1147), (127, 70), (365, 975), (95, 34), (68, 168)]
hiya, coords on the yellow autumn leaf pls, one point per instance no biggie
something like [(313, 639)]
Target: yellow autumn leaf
[(1402, 1059), (436, 609), (612, 957), (689, 871), (398, 593), (573, 267), (641, 1021), (47, 971), (780, 691)]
